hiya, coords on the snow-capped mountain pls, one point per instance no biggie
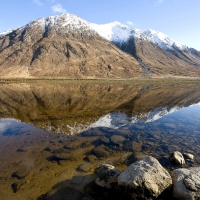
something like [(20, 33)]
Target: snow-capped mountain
[(117, 32), (36, 48), (114, 32), (62, 46), (66, 21), (163, 40)]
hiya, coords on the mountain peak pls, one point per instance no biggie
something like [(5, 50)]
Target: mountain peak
[(114, 31), (62, 20), (163, 40)]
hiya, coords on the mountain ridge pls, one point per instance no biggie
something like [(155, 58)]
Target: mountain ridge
[(155, 36), (40, 43), (56, 47)]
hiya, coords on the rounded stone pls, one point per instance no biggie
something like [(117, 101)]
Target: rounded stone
[(92, 158), (105, 140), (85, 167), (117, 139), (177, 158), (107, 175), (21, 173), (101, 152), (188, 156)]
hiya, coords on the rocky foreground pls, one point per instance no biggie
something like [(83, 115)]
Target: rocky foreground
[(147, 179), (144, 180)]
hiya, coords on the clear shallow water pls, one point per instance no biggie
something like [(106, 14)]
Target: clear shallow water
[(40, 120)]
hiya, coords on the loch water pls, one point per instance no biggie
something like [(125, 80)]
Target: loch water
[(54, 134)]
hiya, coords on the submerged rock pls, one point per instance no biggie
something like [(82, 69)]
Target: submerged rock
[(107, 176), (101, 152), (177, 158), (186, 183), (105, 140), (60, 150), (92, 158), (117, 139), (85, 167), (21, 173), (145, 178), (62, 156), (16, 186)]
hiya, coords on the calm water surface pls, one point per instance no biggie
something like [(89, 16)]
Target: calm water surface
[(54, 134)]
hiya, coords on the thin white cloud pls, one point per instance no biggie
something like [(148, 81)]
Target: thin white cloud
[(38, 2), (159, 1), (129, 23), (58, 8)]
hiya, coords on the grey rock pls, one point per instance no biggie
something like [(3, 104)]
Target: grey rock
[(188, 156), (177, 158), (145, 175), (107, 175), (117, 139), (186, 183)]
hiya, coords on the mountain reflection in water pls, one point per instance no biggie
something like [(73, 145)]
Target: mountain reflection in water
[(73, 108), (40, 120)]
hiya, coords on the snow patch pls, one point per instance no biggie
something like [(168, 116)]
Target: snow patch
[(5, 33), (163, 40), (113, 31)]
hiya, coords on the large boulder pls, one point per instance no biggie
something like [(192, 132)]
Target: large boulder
[(177, 158), (145, 179), (186, 183), (107, 176)]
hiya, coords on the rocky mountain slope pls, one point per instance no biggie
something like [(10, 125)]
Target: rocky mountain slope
[(63, 46), (158, 54), (68, 46)]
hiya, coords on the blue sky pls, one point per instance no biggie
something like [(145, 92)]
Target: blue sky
[(178, 19)]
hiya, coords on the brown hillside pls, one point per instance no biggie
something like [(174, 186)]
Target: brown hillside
[(43, 49)]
